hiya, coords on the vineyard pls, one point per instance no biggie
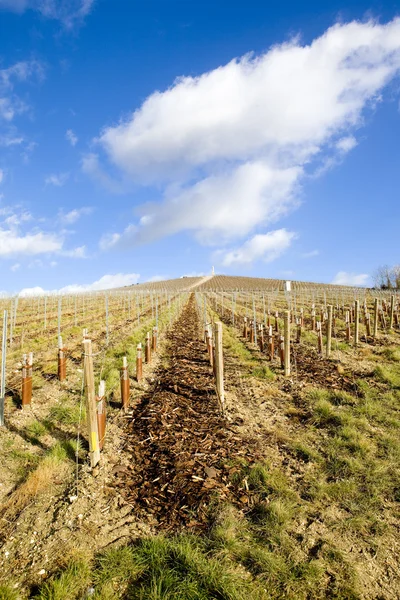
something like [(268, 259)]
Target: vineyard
[(205, 437)]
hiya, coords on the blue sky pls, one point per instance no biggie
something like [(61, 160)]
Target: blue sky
[(154, 139)]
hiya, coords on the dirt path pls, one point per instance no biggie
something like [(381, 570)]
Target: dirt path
[(180, 445), (199, 283)]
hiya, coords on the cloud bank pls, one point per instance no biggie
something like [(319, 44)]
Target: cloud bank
[(230, 147), (104, 283), (344, 278), (70, 13)]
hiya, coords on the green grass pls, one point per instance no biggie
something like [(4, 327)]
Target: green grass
[(388, 374), (180, 568), (262, 372), (67, 414), (35, 430), (8, 593), (69, 585)]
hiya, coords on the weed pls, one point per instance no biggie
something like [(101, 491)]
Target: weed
[(392, 354), (66, 414), (263, 372), (69, 585), (388, 374), (35, 431), (8, 593), (325, 415), (304, 452)]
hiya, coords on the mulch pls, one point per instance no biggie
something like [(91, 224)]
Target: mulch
[(184, 453)]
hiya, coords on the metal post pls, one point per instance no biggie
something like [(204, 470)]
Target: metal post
[(106, 319), (11, 323), (59, 317), (287, 342), (3, 368)]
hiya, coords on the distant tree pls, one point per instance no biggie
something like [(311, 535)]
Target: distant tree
[(387, 278), (396, 276)]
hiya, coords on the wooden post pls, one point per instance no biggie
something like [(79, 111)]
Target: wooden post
[(282, 350), (368, 324), (147, 348), (319, 334), (124, 384), (376, 310), (356, 321), (270, 343), (391, 312), (329, 331), (210, 346), (91, 409), (139, 363), (348, 334), (27, 361), (287, 342), (313, 320), (101, 413), (298, 332), (276, 322), (154, 340), (251, 340), (219, 364), (245, 328)]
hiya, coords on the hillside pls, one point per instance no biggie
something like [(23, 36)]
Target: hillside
[(287, 486)]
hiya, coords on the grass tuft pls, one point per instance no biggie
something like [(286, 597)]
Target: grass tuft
[(72, 584), (8, 593)]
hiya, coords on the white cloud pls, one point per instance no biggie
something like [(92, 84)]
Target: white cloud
[(33, 291), (218, 208), (344, 278), (15, 267), (310, 254), (70, 12), (156, 278), (71, 137), (346, 144), (104, 283), (57, 180), (10, 103), (74, 215), (13, 243), (79, 252), (268, 246), (220, 142), (10, 139)]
